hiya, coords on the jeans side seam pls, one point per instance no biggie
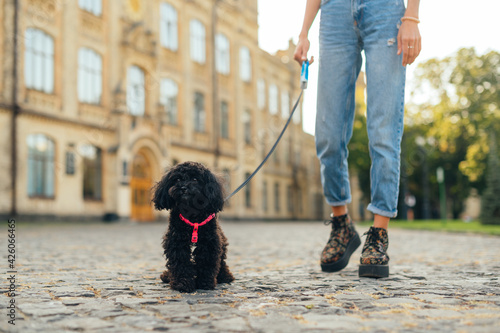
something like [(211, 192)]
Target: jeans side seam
[(344, 142), (400, 132)]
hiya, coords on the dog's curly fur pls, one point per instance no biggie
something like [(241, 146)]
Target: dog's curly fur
[(195, 192)]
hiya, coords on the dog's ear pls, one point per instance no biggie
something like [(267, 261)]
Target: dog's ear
[(161, 197), (214, 192)]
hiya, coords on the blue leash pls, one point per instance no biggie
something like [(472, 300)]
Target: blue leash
[(304, 76)]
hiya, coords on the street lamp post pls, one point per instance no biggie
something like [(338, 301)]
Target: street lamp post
[(425, 180), (442, 193)]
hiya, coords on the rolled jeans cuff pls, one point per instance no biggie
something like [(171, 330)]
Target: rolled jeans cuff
[(338, 203), (381, 212)]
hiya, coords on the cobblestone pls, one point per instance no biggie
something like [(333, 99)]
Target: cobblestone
[(105, 278)]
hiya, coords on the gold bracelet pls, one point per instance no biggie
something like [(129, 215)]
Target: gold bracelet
[(409, 18)]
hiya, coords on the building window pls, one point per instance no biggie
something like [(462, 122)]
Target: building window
[(273, 99), (247, 127), (261, 94), (39, 61), (92, 172), (248, 193), (224, 120), (70, 163), (168, 99), (277, 197), (40, 166), (89, 76), (136, 94), (245, 64), (197, 31), (222, 54), (91, 6), (290, 199), (199, 112), (285, 105), (264, 196), (124, 169), (168, 26)]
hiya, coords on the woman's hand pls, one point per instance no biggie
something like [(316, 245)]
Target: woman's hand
[(300, 54), (409, 41)]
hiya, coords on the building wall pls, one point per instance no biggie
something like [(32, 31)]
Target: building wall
[(128, 33), (5, 161)]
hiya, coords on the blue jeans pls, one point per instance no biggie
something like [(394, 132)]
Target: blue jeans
[(346, 28)]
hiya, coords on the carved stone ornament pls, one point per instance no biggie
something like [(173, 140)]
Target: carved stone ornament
[(135, 9)]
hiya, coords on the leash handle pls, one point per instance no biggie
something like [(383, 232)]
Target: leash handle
[(304, 74)]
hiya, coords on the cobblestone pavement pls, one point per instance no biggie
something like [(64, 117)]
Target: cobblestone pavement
[(105, 278)]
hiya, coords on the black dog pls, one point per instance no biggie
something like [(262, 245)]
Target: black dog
[(194, 196)]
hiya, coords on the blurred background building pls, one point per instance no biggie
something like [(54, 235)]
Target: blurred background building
[(99, 97)]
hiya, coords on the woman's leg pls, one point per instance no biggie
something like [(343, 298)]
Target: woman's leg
[(339, 66), (385, 81)]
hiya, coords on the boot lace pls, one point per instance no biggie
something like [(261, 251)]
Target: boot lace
[(373, 238), (335, 226)]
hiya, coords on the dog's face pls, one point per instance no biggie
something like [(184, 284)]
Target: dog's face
[(191, 188)]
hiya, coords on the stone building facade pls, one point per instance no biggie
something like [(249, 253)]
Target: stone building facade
[(99, 97)]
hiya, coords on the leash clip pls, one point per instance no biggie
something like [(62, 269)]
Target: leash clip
[(304, 74), (194, 237)]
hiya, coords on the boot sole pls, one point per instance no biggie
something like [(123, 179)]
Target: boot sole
[(374, 271), (340, 264)]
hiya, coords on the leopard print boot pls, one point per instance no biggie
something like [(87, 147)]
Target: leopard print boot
[(374, 258), (343, 241)]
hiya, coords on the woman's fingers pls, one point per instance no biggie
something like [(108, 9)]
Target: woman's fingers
[(409, 42), (300, 54)]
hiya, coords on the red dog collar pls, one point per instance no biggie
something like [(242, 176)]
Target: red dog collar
[(194, 237)]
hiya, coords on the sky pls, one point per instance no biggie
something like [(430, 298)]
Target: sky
[(446, 26)]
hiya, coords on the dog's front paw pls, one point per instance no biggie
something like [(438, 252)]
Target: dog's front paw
[(186, 286), (206, 284)]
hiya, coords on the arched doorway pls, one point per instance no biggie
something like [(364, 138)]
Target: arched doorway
[(140, 188)]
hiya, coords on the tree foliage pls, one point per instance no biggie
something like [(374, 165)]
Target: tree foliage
[(464, 106), (459, 105)]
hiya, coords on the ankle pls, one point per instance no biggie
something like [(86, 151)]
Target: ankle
[(339, 210), (380, 221)]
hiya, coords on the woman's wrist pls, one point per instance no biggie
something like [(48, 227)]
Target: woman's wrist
[(410, 19)]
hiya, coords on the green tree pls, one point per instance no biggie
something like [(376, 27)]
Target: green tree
[(490, 203), (461, 105)]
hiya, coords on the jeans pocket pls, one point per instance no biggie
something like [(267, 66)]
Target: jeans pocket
[(324, 2)]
